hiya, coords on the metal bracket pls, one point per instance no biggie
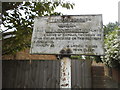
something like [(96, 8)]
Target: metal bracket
[(66, 52)]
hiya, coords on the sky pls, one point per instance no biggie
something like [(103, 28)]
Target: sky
[(108, 9)]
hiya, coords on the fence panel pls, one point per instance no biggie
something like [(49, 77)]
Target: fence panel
[(81, 74), (34, 74), (43, 74)]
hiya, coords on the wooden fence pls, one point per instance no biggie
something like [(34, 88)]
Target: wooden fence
[(43, 74), (81, 74)]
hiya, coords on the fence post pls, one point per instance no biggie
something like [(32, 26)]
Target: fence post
[(65, 73)]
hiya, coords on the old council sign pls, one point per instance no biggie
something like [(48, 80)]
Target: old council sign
[(79, 34)]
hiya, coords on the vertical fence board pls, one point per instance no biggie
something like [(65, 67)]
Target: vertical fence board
[(58, 74), (72, 73), (49, 80), (26, 74), (53, 75), (88, 82)]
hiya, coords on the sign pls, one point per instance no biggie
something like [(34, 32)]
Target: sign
[(77, 34)]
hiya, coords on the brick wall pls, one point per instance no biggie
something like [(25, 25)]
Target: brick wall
[(113, 73), (24, 55)]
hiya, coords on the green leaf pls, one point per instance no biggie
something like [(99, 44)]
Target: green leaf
[(24, 26)]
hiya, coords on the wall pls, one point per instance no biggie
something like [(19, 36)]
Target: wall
[(25, 55)]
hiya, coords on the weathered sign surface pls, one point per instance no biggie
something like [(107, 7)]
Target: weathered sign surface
[(79, 34)]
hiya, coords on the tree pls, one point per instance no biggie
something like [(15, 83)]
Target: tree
[(110, 39), (110, 27), (112, 47), (18, 18)]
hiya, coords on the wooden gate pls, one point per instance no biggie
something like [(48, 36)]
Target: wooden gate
[(43, 74)]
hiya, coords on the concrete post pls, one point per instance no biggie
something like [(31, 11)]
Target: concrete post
[(65, 73)]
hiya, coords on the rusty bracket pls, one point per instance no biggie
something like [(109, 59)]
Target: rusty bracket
[(66, 52)]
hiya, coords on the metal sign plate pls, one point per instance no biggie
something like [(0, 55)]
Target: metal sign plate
[(79, 34)]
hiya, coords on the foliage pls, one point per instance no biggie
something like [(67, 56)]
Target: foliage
[(97, 59), (112, 47), (76, 57), (110, 27), (18, 18)]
